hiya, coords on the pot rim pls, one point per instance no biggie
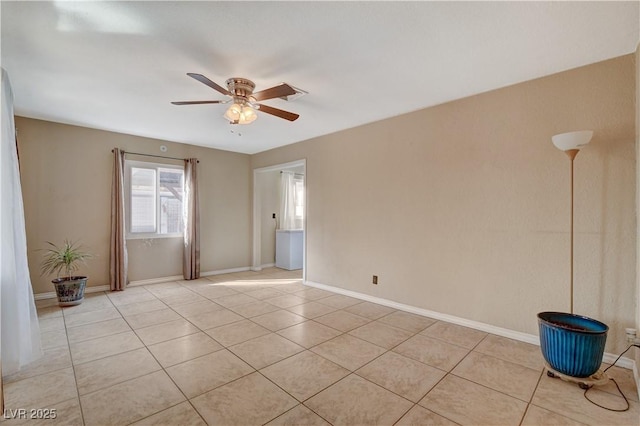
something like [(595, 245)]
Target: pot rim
[(68, 279), (569, 328)]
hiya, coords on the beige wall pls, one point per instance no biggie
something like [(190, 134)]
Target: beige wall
[(270, 203), (463, 208), (66, 183), (637, 326)]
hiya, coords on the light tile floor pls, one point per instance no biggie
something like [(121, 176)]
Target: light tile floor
[(260, 348)]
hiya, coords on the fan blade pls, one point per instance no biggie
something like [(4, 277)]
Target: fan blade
[(202, 79), (274, 92), (278, 112), (197, 102)]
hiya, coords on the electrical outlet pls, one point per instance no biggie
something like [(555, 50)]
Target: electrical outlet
[(375, 279), (631, 335), (273, 215)]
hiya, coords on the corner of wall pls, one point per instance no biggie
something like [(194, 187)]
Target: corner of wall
[(637, 357)]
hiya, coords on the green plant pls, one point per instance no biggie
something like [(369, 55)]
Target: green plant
[(65, 258)]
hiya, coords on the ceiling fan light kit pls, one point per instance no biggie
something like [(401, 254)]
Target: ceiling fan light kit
[(245, 102), (240, 114)]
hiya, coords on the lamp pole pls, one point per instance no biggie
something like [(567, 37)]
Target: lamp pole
[(571, 143), (571, 153)]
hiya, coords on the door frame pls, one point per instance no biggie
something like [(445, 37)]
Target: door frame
[(256, 258)]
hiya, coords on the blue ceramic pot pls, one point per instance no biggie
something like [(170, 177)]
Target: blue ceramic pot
[(572, 344)]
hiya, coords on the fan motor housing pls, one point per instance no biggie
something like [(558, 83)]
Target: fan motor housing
[(239, 86)]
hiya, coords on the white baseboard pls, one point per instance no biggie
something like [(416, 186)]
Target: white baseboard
[(225, 271), (627, 363), (181, 278), (476, 325), (263, 266), (155, 280), (99, 288)]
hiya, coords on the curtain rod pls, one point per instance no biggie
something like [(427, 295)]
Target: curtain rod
[(152, 155), (295, 174)]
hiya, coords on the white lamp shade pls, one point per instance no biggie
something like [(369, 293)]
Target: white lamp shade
[(572, 140), (247, 115), (240, 114), (233, 113)]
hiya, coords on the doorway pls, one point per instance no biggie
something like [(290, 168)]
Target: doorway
[(266, 205)]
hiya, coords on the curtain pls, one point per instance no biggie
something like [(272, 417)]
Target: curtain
[(19, 329), (291, 200), (118, 258), (191, 209)]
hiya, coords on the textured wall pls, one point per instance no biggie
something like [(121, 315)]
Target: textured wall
[(66, 183), (637, 326), (270, 200), (463, 208)]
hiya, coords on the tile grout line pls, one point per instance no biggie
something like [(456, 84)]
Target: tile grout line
[(223, 347), (255, 370), (447, 373), (354, 372), (293, 408), (73, 366), (123, 317), (524, 415), (275, 332), (500, 359), (285, 391), (119, 383), (162, 368), (109, 355)]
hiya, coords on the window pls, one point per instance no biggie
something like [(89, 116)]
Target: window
[(291, 200), (154, 195), (298, 182)]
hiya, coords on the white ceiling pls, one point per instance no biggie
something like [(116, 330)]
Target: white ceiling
[(117, 65)]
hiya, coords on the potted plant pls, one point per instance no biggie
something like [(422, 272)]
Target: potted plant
[(66, 258)]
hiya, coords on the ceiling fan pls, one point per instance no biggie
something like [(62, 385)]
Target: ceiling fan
[(245, 101)]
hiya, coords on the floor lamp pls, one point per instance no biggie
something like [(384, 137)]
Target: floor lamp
[(571, 143), (573, 345)]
